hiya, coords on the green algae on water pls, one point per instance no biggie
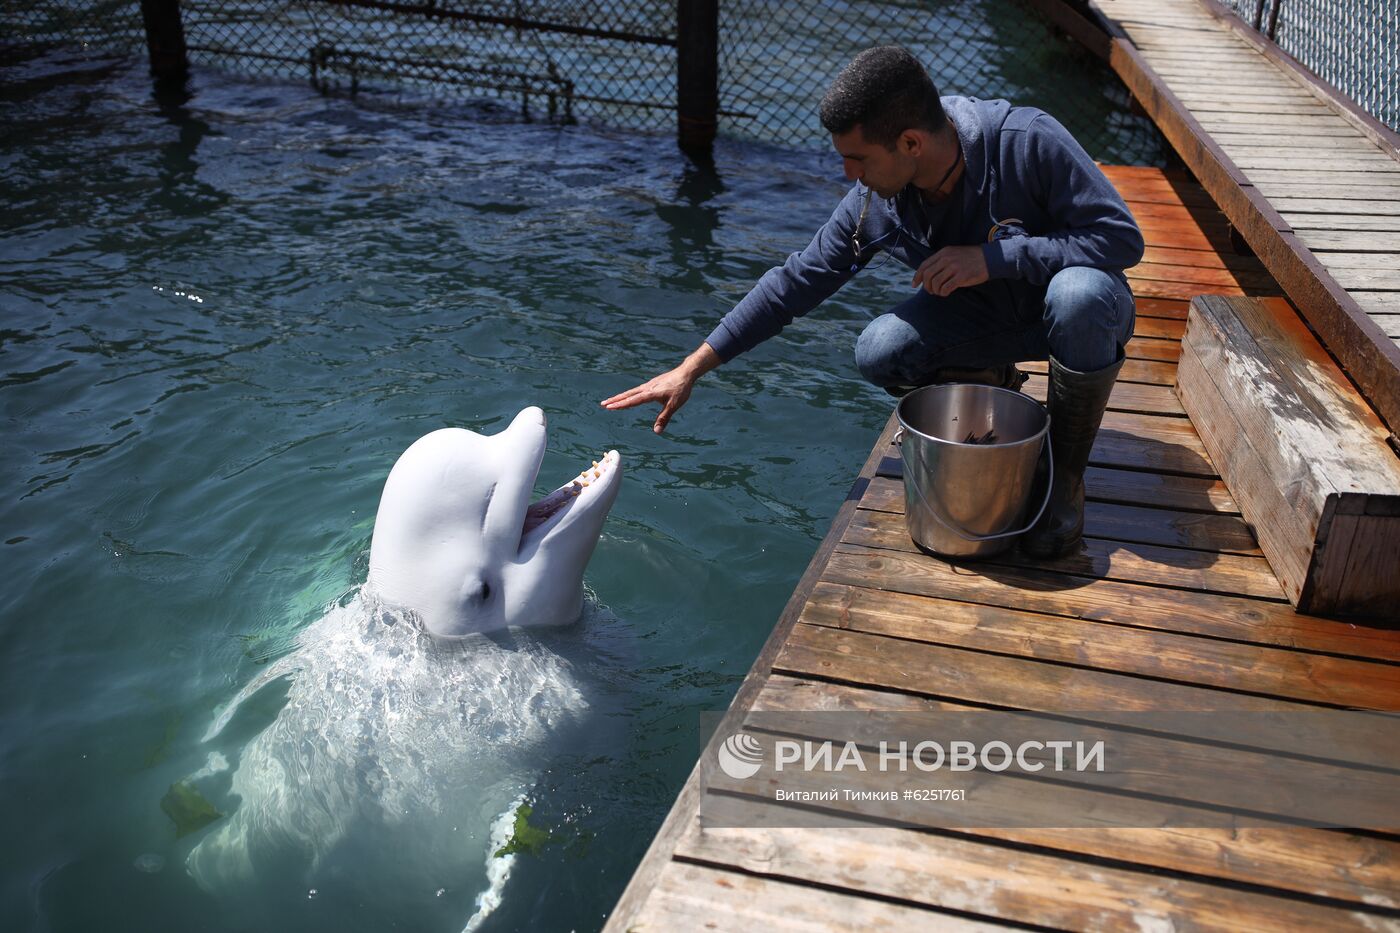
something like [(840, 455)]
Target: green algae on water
[(188, 809), (528, 838)]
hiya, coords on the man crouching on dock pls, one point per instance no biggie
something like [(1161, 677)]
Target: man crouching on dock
[(1018, 245)]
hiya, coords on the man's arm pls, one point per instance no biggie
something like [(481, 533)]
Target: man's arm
[(671, 388), (801, 283), (797, 286), (1095, 226)]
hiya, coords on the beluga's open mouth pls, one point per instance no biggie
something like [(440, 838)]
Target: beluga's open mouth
[(560, 500), (459, 543)]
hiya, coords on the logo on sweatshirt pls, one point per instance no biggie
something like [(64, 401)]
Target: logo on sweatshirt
[(1005, 229)]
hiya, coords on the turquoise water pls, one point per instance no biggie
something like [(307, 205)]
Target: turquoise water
[(222, 322)]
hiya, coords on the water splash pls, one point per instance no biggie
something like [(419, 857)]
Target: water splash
[(497, 867), (395, 760)]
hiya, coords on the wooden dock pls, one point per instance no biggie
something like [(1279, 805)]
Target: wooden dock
[(1309, 180), (1170, 605)]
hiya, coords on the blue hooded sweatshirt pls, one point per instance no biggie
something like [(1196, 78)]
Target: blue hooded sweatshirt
[(1030, 195)]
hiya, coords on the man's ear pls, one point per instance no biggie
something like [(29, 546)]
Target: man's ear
[(910, 143)]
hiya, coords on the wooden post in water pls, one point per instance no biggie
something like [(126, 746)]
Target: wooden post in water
[(697, 72), (165, 39)]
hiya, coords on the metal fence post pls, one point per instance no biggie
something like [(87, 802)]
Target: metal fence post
[(165, 39), (697, 72)]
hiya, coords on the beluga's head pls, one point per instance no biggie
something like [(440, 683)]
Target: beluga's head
[(459, 543)]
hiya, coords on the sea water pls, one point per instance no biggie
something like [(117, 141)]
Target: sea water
[(221, 320)]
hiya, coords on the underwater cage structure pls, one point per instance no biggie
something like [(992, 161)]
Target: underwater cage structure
[(749, 69)]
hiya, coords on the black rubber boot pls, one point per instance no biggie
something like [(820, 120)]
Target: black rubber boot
[(1003, 377), (1076, 402)]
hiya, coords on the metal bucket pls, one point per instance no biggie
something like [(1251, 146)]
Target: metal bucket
[(964, 499)]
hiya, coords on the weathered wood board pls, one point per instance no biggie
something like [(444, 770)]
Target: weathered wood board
[(1303, 455)]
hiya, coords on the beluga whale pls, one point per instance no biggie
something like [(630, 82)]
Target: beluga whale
[(458, 542), (419, 708)]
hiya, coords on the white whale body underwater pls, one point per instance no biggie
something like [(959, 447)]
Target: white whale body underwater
[(418, 709)]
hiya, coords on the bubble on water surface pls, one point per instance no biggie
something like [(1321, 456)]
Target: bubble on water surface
[(149, 864)]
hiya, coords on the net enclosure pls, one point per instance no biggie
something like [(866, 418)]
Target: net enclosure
[(615, 62)]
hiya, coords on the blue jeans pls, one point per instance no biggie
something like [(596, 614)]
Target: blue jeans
[(1081, 319)]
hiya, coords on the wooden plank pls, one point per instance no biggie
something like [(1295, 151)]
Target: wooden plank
[(1383, 183), (1225, 534), (1205, 46), (991, 680), (1278, 188), (1150, 288), (1369, 241), (1375, 261), (698, 897), (1205, 494), (1196, 214), (1171, 308), (1210, 99), (1202, 279), (1103, 559), (1129, 523), (1363, 279), (1328, 127), (1126, 396), (1134, 487), (1144, 442), (1343, 223), (1186, 73), (1184, 659), (1316, 204), (1192, 237), (1180, 183), (1159, 328), (1252, 73), (1163, 196), (969, 876), (1247, 140), (1204, 108), (1175, 255), (1149, 372), (1177, 218), (1390, 323), (1213, 91), (1319, 863), (1274, 161), (1379, 302), (1235, 618), (1150, 348)]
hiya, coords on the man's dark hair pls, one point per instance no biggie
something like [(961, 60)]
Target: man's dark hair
[(884, 91)]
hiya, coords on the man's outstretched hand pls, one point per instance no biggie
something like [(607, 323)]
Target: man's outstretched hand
[(951, 268), (671, 388)]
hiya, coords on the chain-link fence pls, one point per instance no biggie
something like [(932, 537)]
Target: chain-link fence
[(776, 59), (1354, 45), (615, 62)]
